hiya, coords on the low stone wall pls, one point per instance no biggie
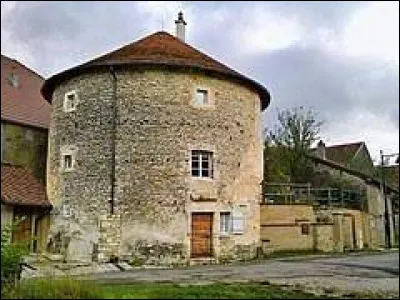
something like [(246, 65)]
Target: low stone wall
[(231, 252), (145, 252), (300, 227)]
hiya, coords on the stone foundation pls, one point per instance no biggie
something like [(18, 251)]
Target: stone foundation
[(110, 238), (156, 253)]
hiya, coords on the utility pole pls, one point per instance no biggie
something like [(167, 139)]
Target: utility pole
[(383, 186), (387, 221)]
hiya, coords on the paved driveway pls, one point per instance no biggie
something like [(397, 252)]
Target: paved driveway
[(352, 273)]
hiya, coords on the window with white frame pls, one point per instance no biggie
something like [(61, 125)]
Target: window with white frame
[(238, 222), (201, 97), (225, 222), (202, 164), (68, 158), (70, 101)]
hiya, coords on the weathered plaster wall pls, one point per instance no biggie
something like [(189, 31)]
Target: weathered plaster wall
[(25, 146), (6, 215), (330, 230), (323, 237), (281, 227)]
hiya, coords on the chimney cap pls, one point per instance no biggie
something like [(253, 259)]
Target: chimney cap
[(321, 143), (180, 18)]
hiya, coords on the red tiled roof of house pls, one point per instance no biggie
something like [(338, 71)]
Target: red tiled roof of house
[(20, 187), (160, 48), (23, 103)]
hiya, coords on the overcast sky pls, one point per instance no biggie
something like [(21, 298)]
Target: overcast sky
[(339, 58)]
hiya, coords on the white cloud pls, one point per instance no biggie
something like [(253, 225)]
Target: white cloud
[(6, 7), (267, 31), (160, 14), (14, 50), (373, 32), (364, 126)]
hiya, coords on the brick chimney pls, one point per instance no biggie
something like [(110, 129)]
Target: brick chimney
[(180, 27), (321, 150)]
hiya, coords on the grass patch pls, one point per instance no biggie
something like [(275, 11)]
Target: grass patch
[(207, 291), (64, 288), (72, 289)]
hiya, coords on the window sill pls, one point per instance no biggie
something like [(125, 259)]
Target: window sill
[(237, 233), (224, 235), (203, 178), (69, 110), (205, 106)]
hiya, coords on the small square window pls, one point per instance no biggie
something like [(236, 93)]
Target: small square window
[(70, 101), (305, 229), (68, 158), (201, 97), (67, 161), (29, 135), (13, 80)]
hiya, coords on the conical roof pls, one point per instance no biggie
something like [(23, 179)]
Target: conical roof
[(160, 48)]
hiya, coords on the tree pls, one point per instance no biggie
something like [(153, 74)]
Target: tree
[(288, 143)]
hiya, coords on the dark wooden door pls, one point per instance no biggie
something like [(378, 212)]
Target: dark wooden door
[(201, 234), (23, 230)]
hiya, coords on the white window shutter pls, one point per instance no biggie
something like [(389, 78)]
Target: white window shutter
[(238, 222)]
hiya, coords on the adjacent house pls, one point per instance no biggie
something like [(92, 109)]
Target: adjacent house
[(25, 117), (381, 200), (155, 154), (351, 155), (342, 208)]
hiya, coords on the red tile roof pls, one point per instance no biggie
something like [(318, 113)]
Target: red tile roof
[(23, 104), (20, 187), (160, 48)]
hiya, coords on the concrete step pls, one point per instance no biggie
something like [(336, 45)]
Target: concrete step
[(202, 261)]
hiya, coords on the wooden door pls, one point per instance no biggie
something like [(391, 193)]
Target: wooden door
[(201, 235), (23, 230)]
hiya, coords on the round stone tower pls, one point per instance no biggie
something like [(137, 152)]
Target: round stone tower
[(155, 156)]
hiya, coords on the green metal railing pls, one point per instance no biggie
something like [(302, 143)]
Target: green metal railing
[(294, 194)]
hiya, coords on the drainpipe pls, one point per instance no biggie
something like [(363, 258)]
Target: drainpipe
[(113, 138)]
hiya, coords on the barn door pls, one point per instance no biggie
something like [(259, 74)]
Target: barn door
[(201, 245)]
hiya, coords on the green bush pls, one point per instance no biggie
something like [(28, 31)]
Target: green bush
[(11, 255), (65, 288)]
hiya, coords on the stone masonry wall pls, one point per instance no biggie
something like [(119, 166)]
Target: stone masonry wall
[(157, 127), (80, 197)]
